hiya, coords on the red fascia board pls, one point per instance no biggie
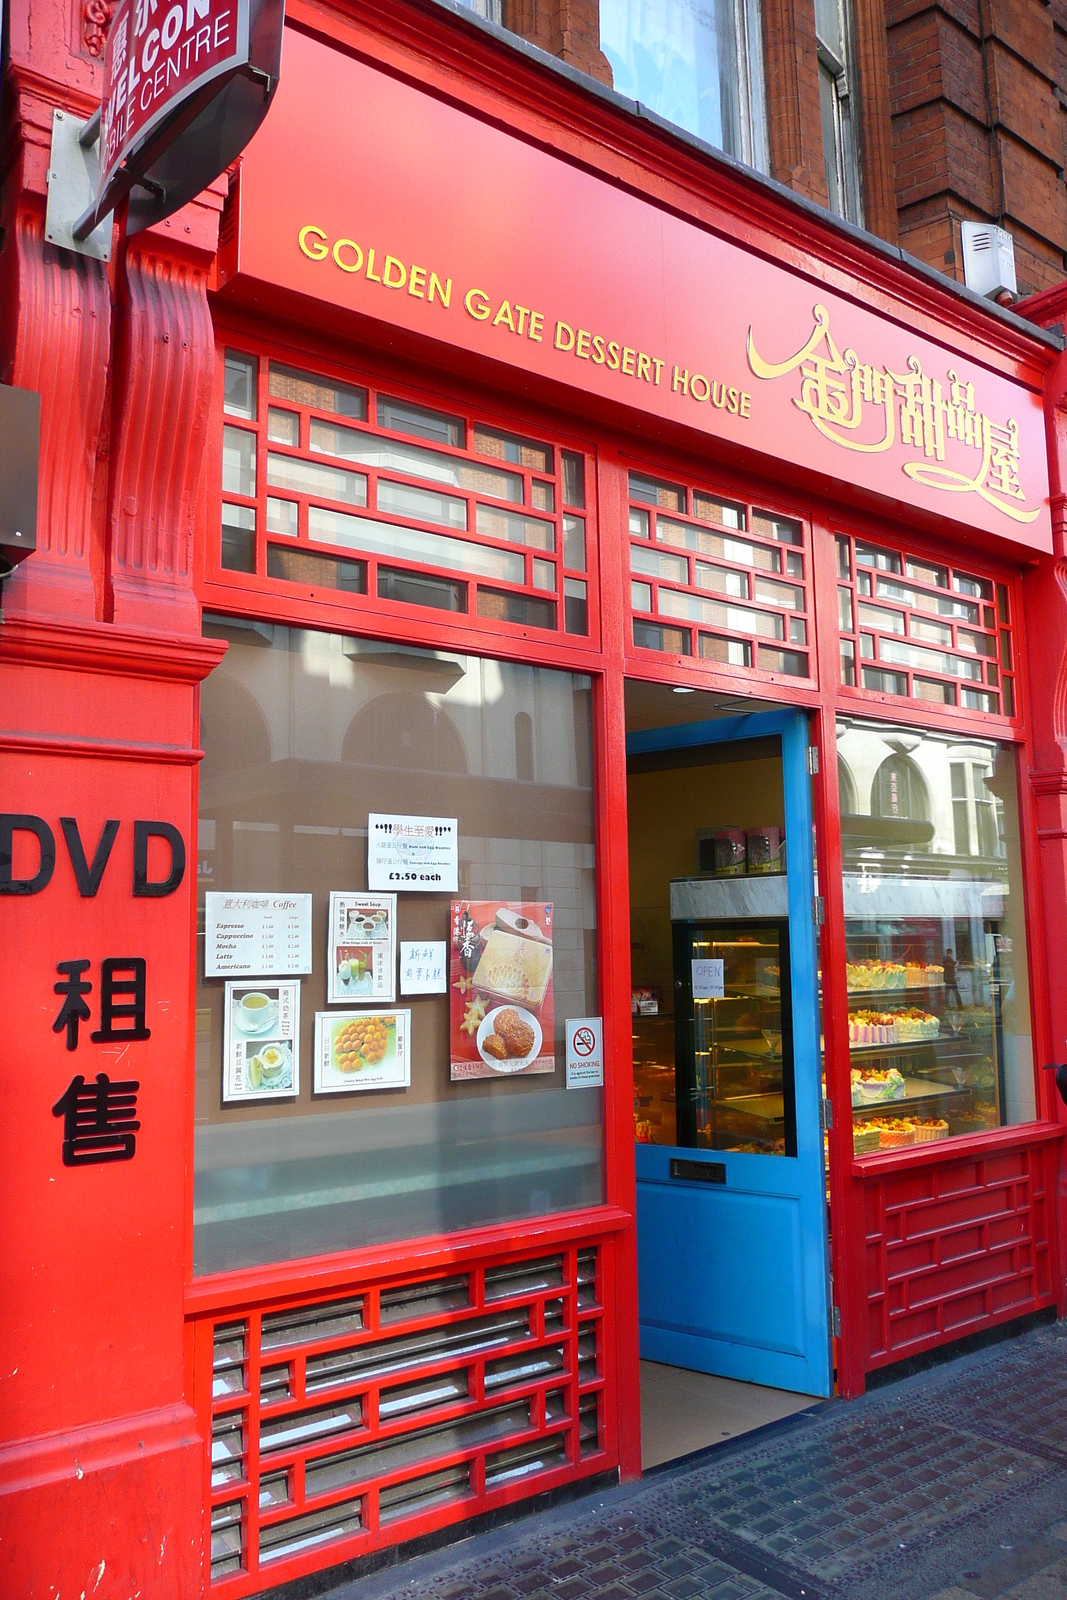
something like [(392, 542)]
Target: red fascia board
[(511, 87)]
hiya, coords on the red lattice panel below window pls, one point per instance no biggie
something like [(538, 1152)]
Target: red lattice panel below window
[(342, 1424), (956, 1246)]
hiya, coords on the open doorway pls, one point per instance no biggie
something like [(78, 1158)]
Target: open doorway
[(733, 1276)]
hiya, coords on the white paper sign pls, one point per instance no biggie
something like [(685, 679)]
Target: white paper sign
[(361, 948), (585, 1052), (414, 854), (261, 1042), (423, 966), (257, 935), (707, 980)]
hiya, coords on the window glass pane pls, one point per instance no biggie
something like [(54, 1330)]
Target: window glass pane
[(283, 427), (721, 511), (709, 577), (671, 496), (658, 564), (927, 572), (401, 416), (320, 572), (983, 644), (790, 662), (939, 1006), (868, 555), (574, 543), (369, 726), (844, 610), (573, 478), (542, 496), (239, 461), (282, 516), (779, 594), (412, 544), (732, 652), (848, 663), (979, 588), (843, 568), (914, 655), (575, 606), (238, 538), (686, 537), (638, 523), (518, 608), (240, 386), (785, 529), (517, 529), (650, 636), (682, 61), (932, 632), (509, 447), (886, 621), (308, 389), (311, 477), (392, 455), (403, 500), (544, 575), (738, 619), (936, 604), (640, 595)]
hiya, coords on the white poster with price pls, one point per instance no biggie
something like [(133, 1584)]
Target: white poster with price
[(585, 1052), (413, 854)]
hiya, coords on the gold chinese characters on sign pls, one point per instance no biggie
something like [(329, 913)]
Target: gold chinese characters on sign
[(846, 397)]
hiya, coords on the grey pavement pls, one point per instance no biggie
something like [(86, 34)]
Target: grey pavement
[(948, 1485)]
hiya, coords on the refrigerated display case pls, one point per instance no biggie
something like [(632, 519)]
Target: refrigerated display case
[(928, 966), (717, 1072)]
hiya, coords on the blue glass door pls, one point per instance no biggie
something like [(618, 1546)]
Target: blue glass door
[(731, 1190)]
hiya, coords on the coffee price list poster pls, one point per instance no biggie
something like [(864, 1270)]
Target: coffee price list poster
[(256, 935)]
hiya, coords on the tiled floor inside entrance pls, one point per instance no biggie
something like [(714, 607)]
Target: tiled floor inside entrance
[(685, 1411)]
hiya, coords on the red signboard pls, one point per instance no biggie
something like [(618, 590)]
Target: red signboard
[(158, 57), (365, 193)]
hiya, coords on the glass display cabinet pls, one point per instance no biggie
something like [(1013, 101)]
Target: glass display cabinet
[(717, 1074)]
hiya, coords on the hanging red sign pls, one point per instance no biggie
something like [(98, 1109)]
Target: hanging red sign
[(186, 85)]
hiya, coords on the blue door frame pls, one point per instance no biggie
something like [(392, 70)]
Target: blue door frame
[(733, 1278)]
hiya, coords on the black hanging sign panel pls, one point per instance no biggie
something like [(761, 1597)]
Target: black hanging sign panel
[(186, 85)]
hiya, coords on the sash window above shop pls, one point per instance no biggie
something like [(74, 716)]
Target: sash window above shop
[(342, 487)]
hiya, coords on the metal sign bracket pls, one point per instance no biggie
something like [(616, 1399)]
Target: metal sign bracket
[(72, 179)]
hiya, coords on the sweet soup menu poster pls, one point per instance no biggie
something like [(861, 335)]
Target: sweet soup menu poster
[(501, 1019)]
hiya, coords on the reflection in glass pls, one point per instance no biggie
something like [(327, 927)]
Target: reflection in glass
[(304, 733), (696, 63)]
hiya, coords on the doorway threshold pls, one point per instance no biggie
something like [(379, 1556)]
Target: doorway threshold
[(683, 1411)]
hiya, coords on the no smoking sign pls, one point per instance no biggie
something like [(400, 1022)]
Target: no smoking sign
[(585, 1053)]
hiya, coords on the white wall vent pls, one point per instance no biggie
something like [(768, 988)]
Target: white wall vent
[(988, 258)]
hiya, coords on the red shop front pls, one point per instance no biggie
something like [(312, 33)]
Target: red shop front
[(671, 580)]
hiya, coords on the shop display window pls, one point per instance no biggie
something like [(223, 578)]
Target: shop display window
[(924, 630), (336, 486), (731, 578), (935, 935), (305, 734)]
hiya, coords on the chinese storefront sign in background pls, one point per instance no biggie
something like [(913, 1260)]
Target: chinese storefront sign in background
[(412, 853), (256, 935), (501, 996)]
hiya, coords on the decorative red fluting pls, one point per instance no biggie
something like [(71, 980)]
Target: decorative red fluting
[(166, 366)]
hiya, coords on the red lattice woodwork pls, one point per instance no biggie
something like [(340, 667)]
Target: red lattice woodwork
[(342, 1422), (957, 1242)]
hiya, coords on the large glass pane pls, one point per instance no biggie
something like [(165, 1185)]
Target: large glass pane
[(680, 58), (936, 966), (304, 733)]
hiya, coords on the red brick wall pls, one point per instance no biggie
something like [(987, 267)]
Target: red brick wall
[(978, 128)]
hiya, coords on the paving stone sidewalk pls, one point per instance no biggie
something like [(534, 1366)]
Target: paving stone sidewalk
[(949, 1485)]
